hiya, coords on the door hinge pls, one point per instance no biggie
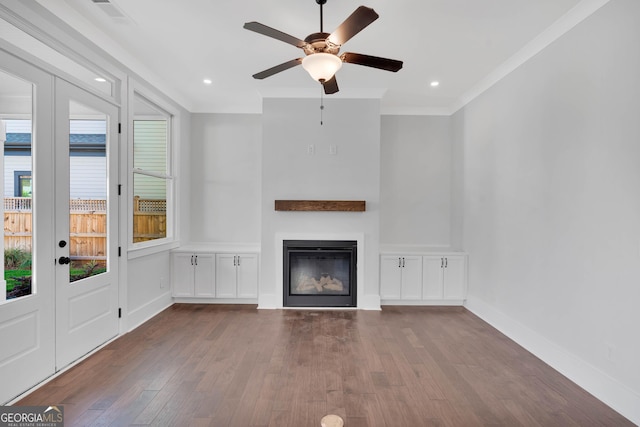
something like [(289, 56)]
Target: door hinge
[(119, 127), (119, 313), (119, 189), (119, 250)]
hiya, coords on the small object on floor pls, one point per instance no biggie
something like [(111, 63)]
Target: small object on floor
[(331, 421)]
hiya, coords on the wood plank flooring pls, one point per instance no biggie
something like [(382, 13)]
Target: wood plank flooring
[(213, 365)]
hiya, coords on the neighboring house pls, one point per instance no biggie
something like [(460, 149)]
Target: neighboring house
[(87, 161)]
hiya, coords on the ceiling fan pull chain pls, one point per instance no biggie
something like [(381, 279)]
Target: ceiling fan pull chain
[(321, 104)]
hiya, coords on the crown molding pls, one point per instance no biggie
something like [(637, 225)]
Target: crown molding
[(573, 17)]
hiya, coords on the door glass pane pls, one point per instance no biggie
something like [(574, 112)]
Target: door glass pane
[(88, 191), (16, 137)]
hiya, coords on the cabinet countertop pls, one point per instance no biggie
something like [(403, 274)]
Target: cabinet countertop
[(218, 247)]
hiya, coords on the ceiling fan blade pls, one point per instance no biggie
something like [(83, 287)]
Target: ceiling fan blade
[(273, 33), (330, 86), (351, 26), (278, 68), (371, 61)]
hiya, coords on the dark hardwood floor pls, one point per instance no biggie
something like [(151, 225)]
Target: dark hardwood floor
[(212, 365)]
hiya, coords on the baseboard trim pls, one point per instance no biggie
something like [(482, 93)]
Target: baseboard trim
[(607, 389), (147, 311)]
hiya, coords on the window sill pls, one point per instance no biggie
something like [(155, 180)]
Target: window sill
[(134, 252)]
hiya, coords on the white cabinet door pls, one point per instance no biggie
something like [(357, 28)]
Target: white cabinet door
[(432, 275), (454, 278), (247, 275), (183, 275), (225, 276), (204, 274), (411, 283), (390, 277)]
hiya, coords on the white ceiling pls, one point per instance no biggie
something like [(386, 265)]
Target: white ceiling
[(460, 43)]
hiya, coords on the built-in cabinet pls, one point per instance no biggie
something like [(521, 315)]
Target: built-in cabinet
[(401, 277), (209, 275), (237, 275), (193, 275), (427, 278)]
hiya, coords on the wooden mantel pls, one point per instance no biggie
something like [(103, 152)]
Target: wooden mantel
[(321, 205)]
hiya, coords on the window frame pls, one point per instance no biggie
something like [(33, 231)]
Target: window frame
[(171, 241), (17, 182)]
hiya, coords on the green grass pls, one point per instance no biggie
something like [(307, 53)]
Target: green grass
[(10, 274)]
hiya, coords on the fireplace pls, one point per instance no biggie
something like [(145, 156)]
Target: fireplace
[(319, 273)]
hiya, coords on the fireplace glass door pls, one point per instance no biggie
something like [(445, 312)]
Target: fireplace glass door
[(319, 273)]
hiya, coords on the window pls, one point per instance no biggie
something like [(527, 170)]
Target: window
[(22, 183), (152, 180)]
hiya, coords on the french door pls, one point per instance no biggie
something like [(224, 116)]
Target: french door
[(59, 174), (86, 228)]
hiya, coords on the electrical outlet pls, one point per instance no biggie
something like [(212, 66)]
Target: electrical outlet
[(609, 352), (162, 283), (311, 149), (333, 150)]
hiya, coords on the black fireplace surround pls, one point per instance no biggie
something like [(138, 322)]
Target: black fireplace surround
[(319, 273)]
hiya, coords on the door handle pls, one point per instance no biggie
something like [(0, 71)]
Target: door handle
[(64, 260)]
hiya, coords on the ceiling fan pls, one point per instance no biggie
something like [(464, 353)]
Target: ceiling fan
[(321, 49)]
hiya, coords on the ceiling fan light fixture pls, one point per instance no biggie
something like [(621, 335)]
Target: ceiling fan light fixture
[(321, 66)]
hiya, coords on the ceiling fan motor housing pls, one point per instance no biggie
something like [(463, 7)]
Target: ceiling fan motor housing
[(318, 43)]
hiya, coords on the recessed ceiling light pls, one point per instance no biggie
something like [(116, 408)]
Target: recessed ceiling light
[(435, 83), (100, 79), (207, 81)]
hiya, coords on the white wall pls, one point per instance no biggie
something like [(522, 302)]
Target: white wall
[(149, 287), (552, 204), (416, 182), (289, 172), (225, 175)]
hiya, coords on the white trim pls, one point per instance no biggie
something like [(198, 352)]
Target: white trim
[(152, 174), (607, 389), (156, 246), (148, 311), (276, 301), (573, 17), (414, 111), (424, 302)]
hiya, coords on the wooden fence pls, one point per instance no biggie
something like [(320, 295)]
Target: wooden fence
[(88, 231)]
